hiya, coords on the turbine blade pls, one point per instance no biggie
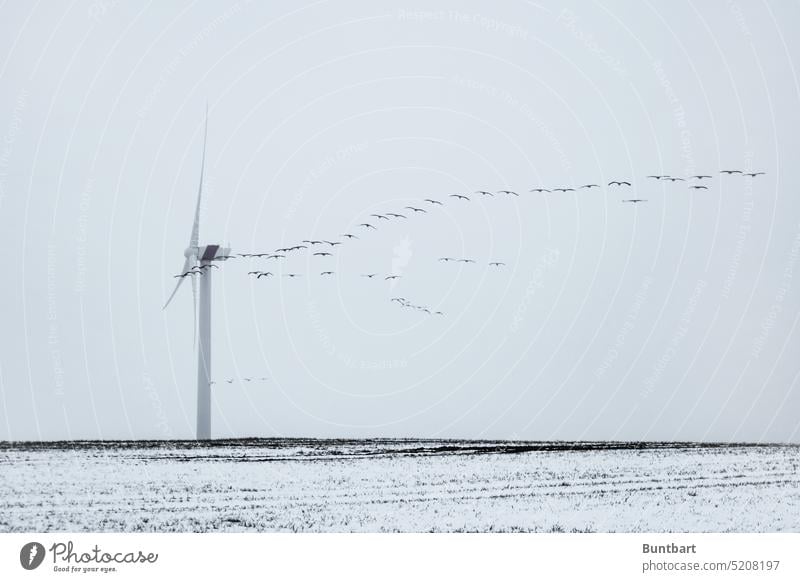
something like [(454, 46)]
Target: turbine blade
[(195, 238), (187, 264)]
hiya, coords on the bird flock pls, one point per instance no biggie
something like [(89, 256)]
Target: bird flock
[(324, 249)]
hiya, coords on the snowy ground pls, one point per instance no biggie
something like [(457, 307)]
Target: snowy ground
[(304, 485)]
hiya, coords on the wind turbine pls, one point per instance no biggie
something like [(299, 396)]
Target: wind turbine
[(204, 255)]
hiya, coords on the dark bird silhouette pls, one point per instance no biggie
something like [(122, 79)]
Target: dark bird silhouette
[(367, 226), (230, 381), (291, 275), (326, 273), (316, 242), (635, 200), (395, 215), (446, 259), (332, 243), (753, 174), (539, 190), (496, 264), (729, 172), (699, 187), (264, 274), (276, 256), (484, 192), (509, 192), (619, 183), (298, 247), (209, 266), (370, 275), (459, 196), (438, 313), (673, 179), (400, 300), (347, 235), (379, 216), (186, 274), (700, 177), (656, 177), (432, 201), (466, 261), (590, 186), (390, 277), (563, 189), (323, 255), (415, 209)]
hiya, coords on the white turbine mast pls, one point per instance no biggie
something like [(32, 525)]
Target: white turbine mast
[(198, 258)]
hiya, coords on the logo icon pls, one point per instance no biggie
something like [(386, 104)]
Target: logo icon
[(31, 555)]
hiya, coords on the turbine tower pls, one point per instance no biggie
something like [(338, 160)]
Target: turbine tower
[(198, 260)]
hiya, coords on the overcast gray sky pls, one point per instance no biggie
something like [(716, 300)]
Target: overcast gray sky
[(671, 319)]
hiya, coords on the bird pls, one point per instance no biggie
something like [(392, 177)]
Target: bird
[(253, 272), (415, 209), (395, 215), (291, 275), (699, 187), (466, 261), (323, 255), (370, 275), (484, 192), (590, 186), (674, 179), (276, 256), (332, 243), (286, 250), (699, 176), (539, 190), (379, 216), (390, 277), (209, 266), (509, 192), (186, 274), (400, 300), (459, 196), (446, 259), (753, 174), (326, 273), (619, 183), (438, 313), (367, 226), (226, 257), (729, 172), (432, 201), (264, 274), (656, 177), (635, 200), (315, 242), (496, 264), (230, 381), (298, 247), (563, 189), (348, 235)]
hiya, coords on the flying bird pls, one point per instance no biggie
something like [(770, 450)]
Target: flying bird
[(700, 177), (699, 187), (438, 313), (656, 177), (729, 172), (432, 201), (275, 256), (390, 277), (370, 275), (347, 235), (539, 190), (619, 183), (326, 273), (563, 189), (415, 209), (395, 215), (367, 226), (484, 192), (635, 200), (323, 255), (446, 259), (496, 264), (508, 192), (333, 244), (753, 174), (379, 216), (466, 261), (459, 196), (674, 179), (264, 274), (590, 186), (291, 275)]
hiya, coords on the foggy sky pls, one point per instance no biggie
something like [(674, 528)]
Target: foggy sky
[(675, 319)]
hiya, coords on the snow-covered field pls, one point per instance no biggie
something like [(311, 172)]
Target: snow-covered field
[(407, 485)]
